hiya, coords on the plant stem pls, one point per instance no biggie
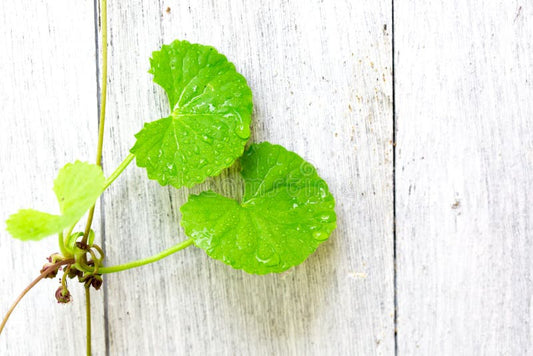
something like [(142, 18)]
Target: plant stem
[(147, 260), (88, 316), (103, 98), (69, 232), (45, 273), (61, 241), (122, 166), (100, 145), (90, 218)]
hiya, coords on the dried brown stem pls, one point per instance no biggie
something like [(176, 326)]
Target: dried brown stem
[(43, 274)]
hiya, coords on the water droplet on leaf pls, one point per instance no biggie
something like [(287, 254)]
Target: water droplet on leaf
[(242, 131), (320, 236)]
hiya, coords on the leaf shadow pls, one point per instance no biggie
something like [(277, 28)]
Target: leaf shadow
[(282, 306)]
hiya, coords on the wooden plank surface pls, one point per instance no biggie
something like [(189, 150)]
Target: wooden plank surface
[(320, 72), (48, 118), (464, 104), (321, 76)]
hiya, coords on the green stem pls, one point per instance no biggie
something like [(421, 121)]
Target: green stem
[(147, 260), (122, 166), (90, 218), (88, 316), (103, 98), (69, 232), (62, 247)]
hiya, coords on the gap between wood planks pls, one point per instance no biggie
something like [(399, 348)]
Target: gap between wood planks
[(395, 277)]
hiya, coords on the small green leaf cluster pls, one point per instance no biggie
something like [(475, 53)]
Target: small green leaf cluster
[(287, 209), (77, 186)]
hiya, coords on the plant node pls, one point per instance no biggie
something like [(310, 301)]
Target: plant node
[(52, 267), (89, 258)]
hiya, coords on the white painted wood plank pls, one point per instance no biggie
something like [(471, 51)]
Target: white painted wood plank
[(49, 118), (321, 77), (464, 99)]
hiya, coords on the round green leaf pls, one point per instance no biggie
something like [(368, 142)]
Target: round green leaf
[(210, 121), (286, 212)]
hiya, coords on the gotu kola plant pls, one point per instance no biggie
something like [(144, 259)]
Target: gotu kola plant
[(285, 213)]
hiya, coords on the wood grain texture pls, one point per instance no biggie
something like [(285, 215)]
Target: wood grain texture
[(48, 118), (320, 72), (464, 103)]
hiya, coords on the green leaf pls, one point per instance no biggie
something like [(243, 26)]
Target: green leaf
[(209, 124), (286, 212), (29, 224), (77, 187)]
